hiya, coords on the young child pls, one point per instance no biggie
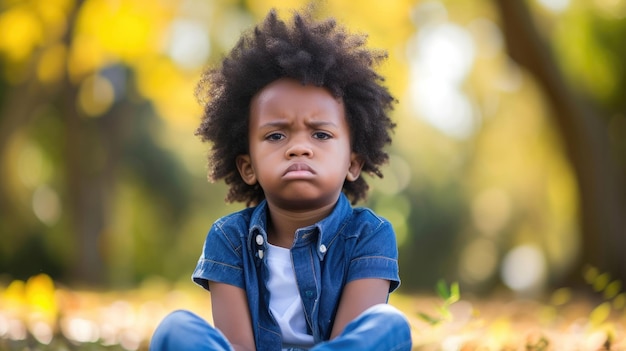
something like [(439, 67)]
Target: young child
[(294, 114)]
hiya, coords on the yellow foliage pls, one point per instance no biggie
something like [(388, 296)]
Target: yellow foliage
[(600, 314), (47, 6), (40, 296), (172, 91), (53, 15), (25, 25), (21, 33), (386, 23), (127, 30), (590, 274), (619, 302), (612, 289), (500, 330), (13, 299), (561, 296), (85, 56), (260, 7), (95, 96), (601, 282), (51, 65), (35, 299)]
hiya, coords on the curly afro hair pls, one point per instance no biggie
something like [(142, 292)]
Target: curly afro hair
[(321, 53)]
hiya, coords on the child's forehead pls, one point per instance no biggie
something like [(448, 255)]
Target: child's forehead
[(287, 86), (290, 94)]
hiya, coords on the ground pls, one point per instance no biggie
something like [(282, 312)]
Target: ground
[(39, 315)]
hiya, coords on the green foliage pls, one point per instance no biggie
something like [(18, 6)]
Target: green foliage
[(612, 295), (613, 301), (541, 344), (450, 295)]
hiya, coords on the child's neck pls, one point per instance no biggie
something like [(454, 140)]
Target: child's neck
[(282, 224)]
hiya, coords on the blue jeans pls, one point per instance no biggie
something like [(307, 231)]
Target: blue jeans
[(381, 328)]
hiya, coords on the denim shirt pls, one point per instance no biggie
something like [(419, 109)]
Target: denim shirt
[(349, 244)]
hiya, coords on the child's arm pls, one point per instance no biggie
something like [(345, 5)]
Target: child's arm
[(357, 296), (231, 315)]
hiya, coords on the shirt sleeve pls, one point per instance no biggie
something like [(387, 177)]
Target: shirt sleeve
[(221, 258), (376, 255)]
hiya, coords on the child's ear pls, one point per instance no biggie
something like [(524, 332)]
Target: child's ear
[(245, 169), (354, 171)]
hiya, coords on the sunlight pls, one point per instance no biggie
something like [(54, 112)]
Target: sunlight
[(555, 5), (16, 330), (442, 54), (46, 204), (478, 261), (81, 330), (189, 43), (524, 269), (491, 211), (42, 332), (96, 95)]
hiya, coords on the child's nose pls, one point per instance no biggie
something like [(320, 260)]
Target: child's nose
[(299, 147)]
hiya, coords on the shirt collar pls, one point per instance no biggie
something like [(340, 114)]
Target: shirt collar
[(325, 231)]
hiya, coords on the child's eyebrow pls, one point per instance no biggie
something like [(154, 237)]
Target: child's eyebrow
[(274, 124), (314, 124), (319, 124)]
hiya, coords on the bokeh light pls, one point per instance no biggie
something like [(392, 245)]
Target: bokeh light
[(524, 270), (442, 55)]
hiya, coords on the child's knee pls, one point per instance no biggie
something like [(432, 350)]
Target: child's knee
[(387, 310), (177, 321), (390, 315), (176, 328), (184, 330)]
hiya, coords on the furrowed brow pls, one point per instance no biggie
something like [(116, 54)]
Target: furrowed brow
[(273, 124), (320, 124)]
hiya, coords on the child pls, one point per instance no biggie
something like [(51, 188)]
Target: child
[(294, 114)]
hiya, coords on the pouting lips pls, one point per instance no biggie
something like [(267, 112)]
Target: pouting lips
[(299, 167)]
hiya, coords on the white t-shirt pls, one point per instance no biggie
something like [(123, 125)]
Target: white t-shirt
[(285, 301)]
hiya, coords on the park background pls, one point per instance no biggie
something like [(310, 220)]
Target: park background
[(507, 172)]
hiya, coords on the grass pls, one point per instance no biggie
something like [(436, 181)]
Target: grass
[(38, 315)]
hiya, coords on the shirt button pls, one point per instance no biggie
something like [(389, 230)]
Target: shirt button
[(323, 248), (259, 239)]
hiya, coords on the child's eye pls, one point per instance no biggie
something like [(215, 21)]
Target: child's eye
[(321, 135), (274, 137)]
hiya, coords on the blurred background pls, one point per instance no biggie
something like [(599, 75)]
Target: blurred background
[(507, 167)]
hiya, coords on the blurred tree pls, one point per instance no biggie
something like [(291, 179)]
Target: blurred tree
[(583, 122), (103, 182), (84, 118)]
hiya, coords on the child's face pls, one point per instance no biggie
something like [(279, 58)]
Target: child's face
[(299, 143)]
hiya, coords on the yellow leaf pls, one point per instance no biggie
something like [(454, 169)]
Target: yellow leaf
[(52, 64), (21, 32), (95, 96), (40, 296), (590, 274), (619, 302), (600, 314), (612, 289), (561, 296), (13, 296), (601, 282)]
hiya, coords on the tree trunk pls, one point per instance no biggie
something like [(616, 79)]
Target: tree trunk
[(587, 146), (85, 186)]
